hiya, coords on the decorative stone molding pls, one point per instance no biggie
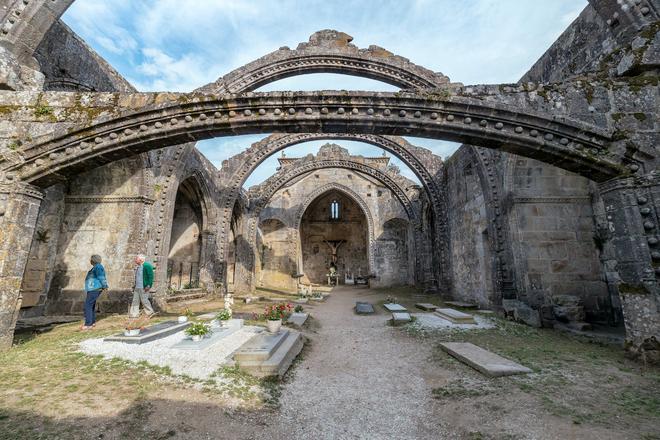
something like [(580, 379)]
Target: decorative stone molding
[(109, 199), (571, 144), (328, 51), (543, 199)]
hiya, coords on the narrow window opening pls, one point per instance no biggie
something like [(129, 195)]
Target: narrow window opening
[(334, 210)]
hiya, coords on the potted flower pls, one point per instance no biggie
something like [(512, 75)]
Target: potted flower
[(187, 315), (133, 326), (198, 330), (223, 317), (274, 315)]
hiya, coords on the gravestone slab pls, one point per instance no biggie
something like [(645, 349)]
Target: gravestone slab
[(217, 335), (455, 316), (260, 347), (395, 307), (486, 362), (426, 306), (461, 304), (399, 318), (363, 308), (151, 333), (277, 299), (300, 301), (298, 318)]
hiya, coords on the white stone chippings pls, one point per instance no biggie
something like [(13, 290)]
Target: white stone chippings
[(432, 321), (196, 364)]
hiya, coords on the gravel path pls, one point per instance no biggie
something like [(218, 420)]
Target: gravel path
[(361, 378)]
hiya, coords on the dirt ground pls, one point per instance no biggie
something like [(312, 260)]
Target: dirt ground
[(357, 377)]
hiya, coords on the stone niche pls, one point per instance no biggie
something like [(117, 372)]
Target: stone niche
[(318, 226), (186, 241)]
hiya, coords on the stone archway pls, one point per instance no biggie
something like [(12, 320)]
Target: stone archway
[(424, 164), (282, 178), (360, 202), (328, 51), (333, 226)]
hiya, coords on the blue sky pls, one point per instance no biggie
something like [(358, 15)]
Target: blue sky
[(179, 45)]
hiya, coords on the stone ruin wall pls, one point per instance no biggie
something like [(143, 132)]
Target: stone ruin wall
[(111, 210), (549, 213), (284, 207)]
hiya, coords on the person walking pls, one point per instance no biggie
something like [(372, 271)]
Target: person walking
[(95, 285), (144, 281)]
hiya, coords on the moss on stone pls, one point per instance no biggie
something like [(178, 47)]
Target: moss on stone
[(616, 117), (639, 289), (640, 116)]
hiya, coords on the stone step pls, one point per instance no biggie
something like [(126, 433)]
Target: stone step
[(261, 347), (455, 316), (151, 333), (185, 297), (486, 362), (395, 307), (426, 306), (279, 362)]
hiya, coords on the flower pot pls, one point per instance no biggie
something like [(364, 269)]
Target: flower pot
[(183, 319), (197, 338), (274, 325), (132, 332)]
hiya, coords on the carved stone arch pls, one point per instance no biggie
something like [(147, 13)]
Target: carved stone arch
[(353, 195), (282, 178), (328, 51), (422, 162), (491, 179)]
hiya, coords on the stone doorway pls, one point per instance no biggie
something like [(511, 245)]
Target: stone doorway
[(334, 229)]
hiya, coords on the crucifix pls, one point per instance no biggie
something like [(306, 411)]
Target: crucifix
[(334, 246)]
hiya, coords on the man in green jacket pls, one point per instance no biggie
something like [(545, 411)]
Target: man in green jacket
[(144, 281)]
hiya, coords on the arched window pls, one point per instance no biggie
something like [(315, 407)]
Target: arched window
[(334, 210)]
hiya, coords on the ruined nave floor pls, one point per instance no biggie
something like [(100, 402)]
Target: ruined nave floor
[(357, 378)]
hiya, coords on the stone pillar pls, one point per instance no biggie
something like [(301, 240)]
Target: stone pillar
[(632, 258), (245, 254), (19, 209)]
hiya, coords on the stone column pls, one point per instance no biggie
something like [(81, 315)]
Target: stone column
[(245, 254), (19, 209), (632, 258)]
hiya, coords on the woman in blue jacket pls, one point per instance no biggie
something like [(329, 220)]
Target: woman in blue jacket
[(95, 285)]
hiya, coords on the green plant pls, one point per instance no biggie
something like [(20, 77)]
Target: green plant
[(43, 110), (188, 314), (41, 235), (198, 329), (390, 300), (223, 315), (191, 285), (298, 308)]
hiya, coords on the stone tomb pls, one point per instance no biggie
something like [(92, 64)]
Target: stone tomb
[(151, 333), (399, 318), (217, 335), (363, 308), (455, 316), (426, 306), (297, 318), (395, 307), (269, 354), (486, 362)]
